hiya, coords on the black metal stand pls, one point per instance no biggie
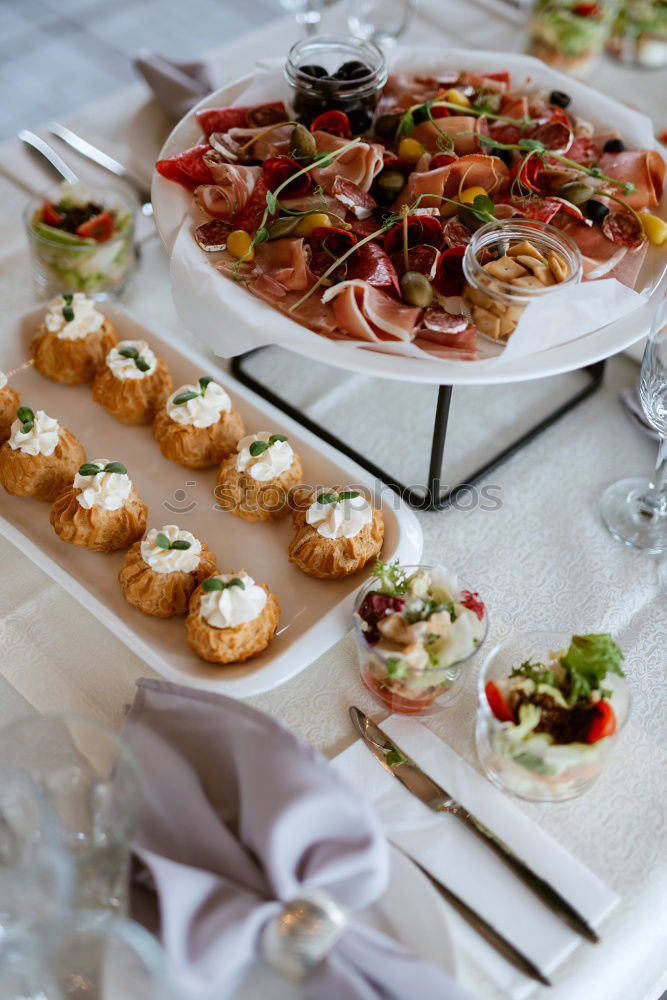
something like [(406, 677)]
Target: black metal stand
[(429, 497)]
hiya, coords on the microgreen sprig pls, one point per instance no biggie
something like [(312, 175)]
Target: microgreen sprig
[(332, 497), (407, 124), (258, 448), (185, 397), (215, 583), (93, 469), (163, 542), (133, 354), (68, 311)]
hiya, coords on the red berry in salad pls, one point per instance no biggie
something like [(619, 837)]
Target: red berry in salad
[(604, 723), (50, 214), (497, 703)]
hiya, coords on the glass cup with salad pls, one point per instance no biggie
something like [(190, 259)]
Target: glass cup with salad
[(551, 707), (417, 629), (81, 240)]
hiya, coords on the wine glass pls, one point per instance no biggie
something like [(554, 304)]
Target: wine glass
[(635, 510), (307, 12), (381, 21)]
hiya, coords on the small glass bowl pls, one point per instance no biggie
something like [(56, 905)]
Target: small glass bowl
[(313, 95), (447, 682), (101, 270), (501, 298), (548, 773)]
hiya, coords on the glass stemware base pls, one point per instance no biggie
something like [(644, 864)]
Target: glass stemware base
[(631, 521)]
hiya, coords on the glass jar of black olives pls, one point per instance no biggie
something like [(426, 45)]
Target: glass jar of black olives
[(336, 73)]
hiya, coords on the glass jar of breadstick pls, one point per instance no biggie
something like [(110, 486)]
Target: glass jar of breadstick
[(509, 264)]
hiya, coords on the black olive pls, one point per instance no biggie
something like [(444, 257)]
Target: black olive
[(614, 146), (352, 70), (503, 154), (559, 98), (386, 125), (360, 118), (317, 71), (420, 115), (595, 210)]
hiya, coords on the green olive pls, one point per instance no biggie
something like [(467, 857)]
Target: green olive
[(575, 192), (386, 125), (469, 219), (391, 182), (416, 289), (303, 146), (282, 227)]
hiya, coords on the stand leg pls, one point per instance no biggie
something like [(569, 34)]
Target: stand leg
[(430, 497)]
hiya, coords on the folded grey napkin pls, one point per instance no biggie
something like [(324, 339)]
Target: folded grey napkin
[(239, 819), (176, 85)]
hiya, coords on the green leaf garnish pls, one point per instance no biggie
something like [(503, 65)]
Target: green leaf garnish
[(213, 583), (325, 498), (588, 661), (184, 397), (142, 364), (261, 236), (68, 314), (406, 125), (162, 541), (235, 582), (533, 145), (129, 352), (483, 205), (277, 437), (392, 578), (116, 467), (25, 415), (204, 382), (180, 544), (89, 469), (349, 495), (258, 448), (68, 298), (271, 202)]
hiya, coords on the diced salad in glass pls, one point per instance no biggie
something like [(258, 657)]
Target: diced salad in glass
[(545, 726), (416, 627), (81, 239)]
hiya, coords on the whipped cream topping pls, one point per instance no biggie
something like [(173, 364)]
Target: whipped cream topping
[(203, 410), (270, 464), (177, 560), (108, 490), (234, 605), (3, 380), (126, 368), (86, 318), (340, 518), (40, 439)]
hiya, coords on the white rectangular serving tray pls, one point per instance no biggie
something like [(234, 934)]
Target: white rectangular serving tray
[(314, 613)]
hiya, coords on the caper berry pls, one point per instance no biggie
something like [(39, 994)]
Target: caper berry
[(282, 227), (391, 181), (575, 192), (595, 210), (303, 146), (416, 289), (386, 126)]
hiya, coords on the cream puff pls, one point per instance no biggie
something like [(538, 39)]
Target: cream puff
[(198, 426), (336, 532), (161, 572), (9, 404), (257, 481), (231, 618), (101, 510), (40, 458), (132, 384), (73, 340)]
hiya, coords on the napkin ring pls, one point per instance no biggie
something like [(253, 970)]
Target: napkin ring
[(305, 930)]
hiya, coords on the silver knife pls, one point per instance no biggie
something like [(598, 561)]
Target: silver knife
[(37, 143), (102, 159), (392, 758)]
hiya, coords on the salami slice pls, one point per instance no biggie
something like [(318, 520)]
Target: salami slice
[(277, 169), (540, 209), (623, 229), (188, 168), (327, 244), (264, 115), (456, 234), (438, 319), (421, 258), (212, 236), (371, 264), (359, 202), (421, 229), (250, 215), (583, 150), (449, 279), (557, 137), (258, 116)]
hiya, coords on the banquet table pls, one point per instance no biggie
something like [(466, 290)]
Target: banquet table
[(541, 558)]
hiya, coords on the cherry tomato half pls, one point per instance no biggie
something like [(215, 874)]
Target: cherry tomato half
[(497, 703), (604, 723), (586, 10), (50, 214), (99, 228)]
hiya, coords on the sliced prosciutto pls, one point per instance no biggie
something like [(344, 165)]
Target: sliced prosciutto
[(231, 192), (370, 314), (477, 170), (285, 262), (360, 164), (461, 129), (244, 144), (600, 257), (644, 168)]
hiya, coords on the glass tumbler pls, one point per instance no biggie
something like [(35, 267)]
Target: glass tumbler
[(91, 780)]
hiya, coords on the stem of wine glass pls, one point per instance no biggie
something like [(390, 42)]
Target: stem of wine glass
[(654, 502), (309, 16)]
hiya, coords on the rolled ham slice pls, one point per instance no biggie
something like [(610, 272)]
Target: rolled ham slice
[(600, 257), (285, 262), (462, 130), (476, 170), (370, 314), (360, 164), (645, 168), (233, 187)]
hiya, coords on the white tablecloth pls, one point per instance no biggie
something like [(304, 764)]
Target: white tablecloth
[(542, 559)]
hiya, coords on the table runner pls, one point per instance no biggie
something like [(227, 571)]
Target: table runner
[(541, 560)]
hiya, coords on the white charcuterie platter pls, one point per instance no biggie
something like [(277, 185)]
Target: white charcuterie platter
[(230, 321)]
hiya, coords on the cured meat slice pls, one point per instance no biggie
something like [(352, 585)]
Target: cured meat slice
[(600, 257), (456, 234), (462, 130), (624, 229), (370, 314), (421, 258), (360, 163), (222, 119), (229, 195), (540, 209), (359, 202), (584, 150), (477, 170), (327, 244), (249, 216), (285, 262), (557, 137), (644, 168), (188, 168), (251, 144), (212, 236), (278, 169), (371, 264), (449, 279), (422, 229)]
